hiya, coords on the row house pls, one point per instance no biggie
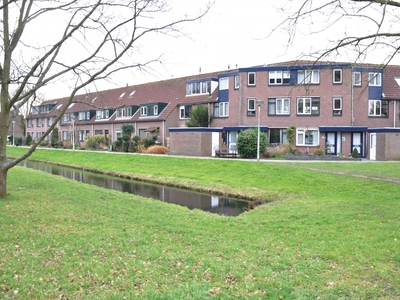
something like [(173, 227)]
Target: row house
[(338, 107), (151, 108)]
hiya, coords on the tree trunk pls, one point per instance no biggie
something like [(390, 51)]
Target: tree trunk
[(3, 182)]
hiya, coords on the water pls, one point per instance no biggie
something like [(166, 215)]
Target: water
[(193, 200)]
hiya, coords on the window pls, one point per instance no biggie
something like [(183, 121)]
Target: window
[(185, 111), (66, 118), (97, 132), (155, 110), (308, 106), (122, 95), (337, 76), (65, 135), (50, 121), (308, 76), (82, 116), (81, 135), (306, 137), (337, 106), (224, 83), (88, 115), (143, 111), (278, 106), (196, 88), (224, 109), (237, 82), (102, 114), (378, 108), (39, 122), (277, 136), (375, 79), (357, 78), (125, 112), (279, 77), (251, 107), (29, 123), (251, 78)]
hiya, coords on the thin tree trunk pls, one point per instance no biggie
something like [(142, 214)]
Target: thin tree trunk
[(3, 182)]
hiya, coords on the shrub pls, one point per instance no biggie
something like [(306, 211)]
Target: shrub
[(136, 139), (156, 149), (319, 152), (280, 151), (149, 142), (246, 142), (54, 140), (28, 140), (93, 142), (354, 154)]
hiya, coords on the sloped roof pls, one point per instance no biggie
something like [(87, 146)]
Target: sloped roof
[(391, 83), (172, 92)]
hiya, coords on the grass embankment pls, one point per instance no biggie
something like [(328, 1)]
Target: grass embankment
[(334, 237)]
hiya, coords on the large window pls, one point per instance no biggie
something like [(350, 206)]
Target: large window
[(337, 76), (251, 78), (278, 106), (125, 112), (375, 79), (184, 111), (196, 88), (279, 77), (337, 106), (307, 137), (378, 108), (251, 107), (277, 136), (308, 106), (308, 77)]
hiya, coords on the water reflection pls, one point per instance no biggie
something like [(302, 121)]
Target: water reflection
[(192, 200)]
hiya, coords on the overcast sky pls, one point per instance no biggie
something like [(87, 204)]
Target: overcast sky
[(234, 33)]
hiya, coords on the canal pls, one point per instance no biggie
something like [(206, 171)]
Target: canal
[(193, 200)]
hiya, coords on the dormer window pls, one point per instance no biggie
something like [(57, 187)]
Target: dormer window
[(375, 79), (155, 110), (143, 111), (198, 87)]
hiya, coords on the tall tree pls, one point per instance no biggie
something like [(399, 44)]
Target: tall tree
[(79, 41), (354, 29), (199, 117)]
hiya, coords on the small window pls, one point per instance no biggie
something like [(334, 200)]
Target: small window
[(337, 76), (123, 94), (307, 137), (251, 107), (279, 77), (357, 78), (143, 111), (278, 106), (155, 110), (132, 93), (251, 78), (185, 111), (378, 108), (375, 79), (337, 106), (237, 82), (224, 109)]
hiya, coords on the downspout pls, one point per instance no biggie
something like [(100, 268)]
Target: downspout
[(352, 96), (240, 99), (163, 133), (394, 113)]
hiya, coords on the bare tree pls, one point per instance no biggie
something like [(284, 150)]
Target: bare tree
[(79, 41), (354, 29)]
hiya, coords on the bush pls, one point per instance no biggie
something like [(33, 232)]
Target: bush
[(319, 152), (246, 142), (149, 142), (54, 140), (136, 139), (93, 142), (157, 150), (28, 140), (354, 154), (280, 151)]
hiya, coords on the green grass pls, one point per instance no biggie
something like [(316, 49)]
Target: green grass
[(334, 236)]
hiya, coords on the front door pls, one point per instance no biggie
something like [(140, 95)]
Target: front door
[(357, 143), (232, 140), (330, 143), (372, 146)]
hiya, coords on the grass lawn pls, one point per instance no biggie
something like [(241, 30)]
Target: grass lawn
[(331, 235)]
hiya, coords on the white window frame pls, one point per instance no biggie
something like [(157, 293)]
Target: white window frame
[(303, 137), (224, 109), (224, 83), (311, 100), (253, 74), (279, 77), (281, 106), (183, 114), (308, 77), (374, 105), (357, 78), (340, 74), (155, 110), (237, 82), (143, 111), (251, 106), (82, 116), (337, 111), (375, 79)]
